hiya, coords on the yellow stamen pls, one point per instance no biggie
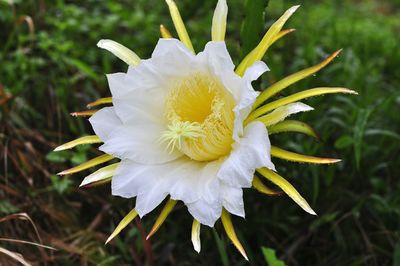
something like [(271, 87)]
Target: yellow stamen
[(165, 32), (101, 176), (218, 28), (161, 218), (287, 188), (295, 157), (289, 80), (179, 25), (266, 42), (292, 126), (124, 222), (93, 162), (230, 231), (79, 141), (296, 97), (199, 111), (120, 51), (100, 102), (259, 186), (196, 235)]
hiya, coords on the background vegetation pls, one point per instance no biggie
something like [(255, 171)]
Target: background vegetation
[(50, 66)]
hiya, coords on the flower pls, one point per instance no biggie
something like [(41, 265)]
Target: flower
[(191, 127)]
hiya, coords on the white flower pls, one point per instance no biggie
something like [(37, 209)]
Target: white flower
[(190, 126), (177, 126)]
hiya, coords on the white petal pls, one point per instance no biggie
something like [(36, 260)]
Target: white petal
[(248, 97), (184, 179), (119, 51), (104, 122), (232, 200), (242, 111), (127, 180), (205, 212), (171, 59), (142, 112), (148, 201), (218, 61), (206, 186), (141, 106), (172, 48), (121, 84), (142, 91), (198, 182), (139, 142), (255, 71), (144, 181), (250, 152)]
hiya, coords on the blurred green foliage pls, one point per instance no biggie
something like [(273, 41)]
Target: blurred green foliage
[(270, 257), (50, 66)]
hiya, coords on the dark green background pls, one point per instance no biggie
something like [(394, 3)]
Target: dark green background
[(55, 68)]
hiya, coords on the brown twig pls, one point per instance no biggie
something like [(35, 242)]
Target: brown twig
[(146, 243)]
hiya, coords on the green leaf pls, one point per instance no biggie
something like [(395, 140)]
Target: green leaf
[(60, 184), (79, 158), (58, 157), (383, 133), (344, 142), (325, 219), (359, 130), (83, 67), (7, 207), (270, 257), (221, 249), (253, 25), (396, 255)]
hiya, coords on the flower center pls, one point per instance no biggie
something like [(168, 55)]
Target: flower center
[(200, 116)]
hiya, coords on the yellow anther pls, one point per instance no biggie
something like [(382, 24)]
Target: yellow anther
[(199, 111)]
